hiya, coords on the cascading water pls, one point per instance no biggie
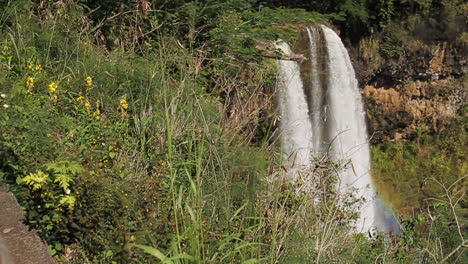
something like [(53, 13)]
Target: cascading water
[(295, 122), (346, 128), (332, 119), (316, 100)]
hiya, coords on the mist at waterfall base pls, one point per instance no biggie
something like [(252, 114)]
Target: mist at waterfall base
[(329, 117)]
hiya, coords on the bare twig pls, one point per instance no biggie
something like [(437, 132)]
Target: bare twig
[(450, 196), (462, 245)]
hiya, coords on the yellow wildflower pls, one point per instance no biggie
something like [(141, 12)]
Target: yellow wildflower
[(38, 67), (87, 105), (80, 99), (123, 104), (30, 82), (53, 87), (30, 67), (89, 81), (97, 114)]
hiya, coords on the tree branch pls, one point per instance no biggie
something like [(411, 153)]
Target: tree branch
[(291, 57)]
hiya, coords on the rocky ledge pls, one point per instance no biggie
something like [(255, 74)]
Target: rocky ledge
[(18, 244)]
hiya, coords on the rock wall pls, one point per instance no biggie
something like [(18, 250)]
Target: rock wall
[(422, 90), (18, 244), (397, 113)]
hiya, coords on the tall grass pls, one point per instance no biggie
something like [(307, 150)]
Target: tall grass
[(189, 173)]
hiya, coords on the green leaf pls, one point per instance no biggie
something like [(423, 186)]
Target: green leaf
[(36, 180), (68, 200), (109, 253), (63, 180), (182, 256), (154, 252), (52, 250), (251, 261), (58, 247)]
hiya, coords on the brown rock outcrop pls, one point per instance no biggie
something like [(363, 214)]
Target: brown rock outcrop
[(423, 88), (396, 113)]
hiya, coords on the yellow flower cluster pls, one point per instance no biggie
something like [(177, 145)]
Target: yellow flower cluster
[(80, 99), (53, 87), (87, 105), (30, 83), (89, 81), (97, 114), (36, 67), (123, 104)]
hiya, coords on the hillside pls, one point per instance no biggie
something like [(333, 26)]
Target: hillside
[(137, 131)]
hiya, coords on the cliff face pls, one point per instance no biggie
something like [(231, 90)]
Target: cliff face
[(421, 90)]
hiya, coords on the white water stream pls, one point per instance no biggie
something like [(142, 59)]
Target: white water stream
[(336, 123), (346, 128), (295, 122)]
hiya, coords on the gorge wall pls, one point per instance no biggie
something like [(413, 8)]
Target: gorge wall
[(420, 90)]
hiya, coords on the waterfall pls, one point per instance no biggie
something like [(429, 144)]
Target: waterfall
[(332, 119), (316, 100), (347, 128), (295, 122)]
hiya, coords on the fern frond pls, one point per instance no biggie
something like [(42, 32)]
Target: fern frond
[(36, 180), (63, 179)]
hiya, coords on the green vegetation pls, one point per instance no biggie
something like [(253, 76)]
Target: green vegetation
[(136, 134), (410, 173), (427, 178), (403, 25)]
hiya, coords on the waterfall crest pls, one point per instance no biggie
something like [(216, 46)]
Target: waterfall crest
[(335, 123)]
